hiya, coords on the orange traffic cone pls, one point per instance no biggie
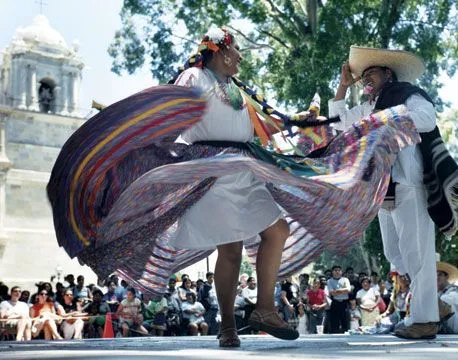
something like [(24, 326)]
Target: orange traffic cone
[(108, 332)]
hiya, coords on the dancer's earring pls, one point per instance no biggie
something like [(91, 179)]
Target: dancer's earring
[(227, 60)]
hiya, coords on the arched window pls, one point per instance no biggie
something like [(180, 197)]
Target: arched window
[(46, 96)]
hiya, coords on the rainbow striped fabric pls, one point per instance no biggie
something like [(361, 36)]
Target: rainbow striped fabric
[(107, 153), (121, 184)]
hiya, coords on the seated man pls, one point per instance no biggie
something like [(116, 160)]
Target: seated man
[(97, 311), (154, 311), (447, 277), (17, 314)]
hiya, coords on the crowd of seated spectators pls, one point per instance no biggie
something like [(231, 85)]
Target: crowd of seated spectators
[(77, 311)]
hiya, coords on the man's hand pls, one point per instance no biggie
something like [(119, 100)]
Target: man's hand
[(346, 78), (308, 116)]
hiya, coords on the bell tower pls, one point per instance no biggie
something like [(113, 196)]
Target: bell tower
[(40, 78), (40, 72)]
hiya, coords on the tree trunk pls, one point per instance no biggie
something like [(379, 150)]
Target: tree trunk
[(365, 253), (390, 12), (312, 15)]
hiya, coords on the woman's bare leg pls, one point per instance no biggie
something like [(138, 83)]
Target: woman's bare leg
[(47, 332), (141, 329), (265, 317), (203, 328), (268, 262), (51, 325), (193, 329), (226, 277)]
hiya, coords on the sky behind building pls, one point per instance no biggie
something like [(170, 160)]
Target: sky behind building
[(93, 24)]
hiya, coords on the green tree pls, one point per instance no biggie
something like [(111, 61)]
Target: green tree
[(245, 267), (356, 257), (448, 248), (297, 46), (449, 130)]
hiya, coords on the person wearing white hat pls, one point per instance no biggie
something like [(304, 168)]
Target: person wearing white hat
[(447, 277), (407, 230)]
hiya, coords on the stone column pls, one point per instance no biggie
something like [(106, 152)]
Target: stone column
[(15, 81), (2, 85), (57, 99), (5, 165), (62, 95), (33, 89), (22, 85), (2, 200), (75, 93), (71, 92)]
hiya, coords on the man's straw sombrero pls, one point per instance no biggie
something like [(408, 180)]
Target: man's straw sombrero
[(407, 66), (449, 269)]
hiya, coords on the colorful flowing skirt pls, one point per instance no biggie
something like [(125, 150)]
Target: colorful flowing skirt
[(121, 183)]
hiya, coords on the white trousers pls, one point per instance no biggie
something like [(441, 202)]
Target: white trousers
[(409, 244), (73, 330)]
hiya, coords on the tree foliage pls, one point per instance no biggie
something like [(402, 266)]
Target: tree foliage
[(448, 126), (245, 266), (296, 46), (353, 258)]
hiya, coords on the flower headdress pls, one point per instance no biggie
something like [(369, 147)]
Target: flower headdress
[(214, 38)]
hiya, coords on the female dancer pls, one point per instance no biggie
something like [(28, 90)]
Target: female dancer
[(237, 207)]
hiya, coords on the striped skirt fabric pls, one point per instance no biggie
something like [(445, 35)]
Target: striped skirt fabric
[(120, 184)]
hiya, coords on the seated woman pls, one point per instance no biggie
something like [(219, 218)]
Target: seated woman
[(184, 289), (194, 311), (44, 317), (367, 299), (72, 327), (130, 315)]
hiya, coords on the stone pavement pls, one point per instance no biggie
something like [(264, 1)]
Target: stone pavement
[(254, 347)]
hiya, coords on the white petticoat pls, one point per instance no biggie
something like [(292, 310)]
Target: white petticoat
[(236, 208)]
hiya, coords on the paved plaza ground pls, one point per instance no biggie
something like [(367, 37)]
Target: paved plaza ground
[(445, 347)]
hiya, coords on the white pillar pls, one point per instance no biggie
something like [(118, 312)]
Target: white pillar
[(72, 88), (33, 90), (75, 93), (2, 199), (63, 95), (57, 99), (2, 85), (5, 164), (22, 86), (15, 82)]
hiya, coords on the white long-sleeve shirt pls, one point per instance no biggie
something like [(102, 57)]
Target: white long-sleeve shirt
[(450, 296), (408, 167)]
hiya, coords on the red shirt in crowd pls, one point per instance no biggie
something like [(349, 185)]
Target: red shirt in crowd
[(316, 297)]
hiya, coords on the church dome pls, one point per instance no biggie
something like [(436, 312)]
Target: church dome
[(42, 34)]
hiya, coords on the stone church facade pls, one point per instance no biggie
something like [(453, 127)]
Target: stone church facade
[(40, 79)]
